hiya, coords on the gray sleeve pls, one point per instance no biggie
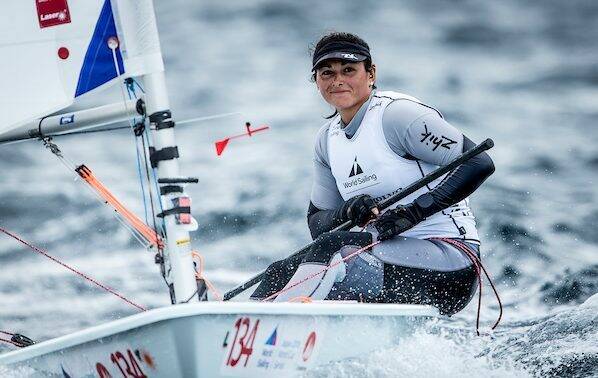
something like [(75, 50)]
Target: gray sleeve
[(419, 131), (324, 193)]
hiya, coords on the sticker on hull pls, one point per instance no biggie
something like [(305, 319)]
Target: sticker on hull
[(258, 346)]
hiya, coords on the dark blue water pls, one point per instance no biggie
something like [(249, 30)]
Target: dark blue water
[(521, 72)]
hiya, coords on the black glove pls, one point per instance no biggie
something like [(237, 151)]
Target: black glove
[(359, 209), (398, 220)]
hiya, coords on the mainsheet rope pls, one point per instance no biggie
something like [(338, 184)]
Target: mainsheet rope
[(479, 268)]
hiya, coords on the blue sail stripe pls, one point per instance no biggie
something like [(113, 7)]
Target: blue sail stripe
[(98, 65)]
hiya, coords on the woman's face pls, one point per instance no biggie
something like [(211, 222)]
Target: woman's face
[(344, 85)]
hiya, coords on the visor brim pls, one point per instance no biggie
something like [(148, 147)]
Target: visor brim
[(344, 56)]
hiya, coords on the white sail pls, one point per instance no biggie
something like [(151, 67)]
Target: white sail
[(54, 51), (140, 44)]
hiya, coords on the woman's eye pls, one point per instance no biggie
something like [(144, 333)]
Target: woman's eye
[(349, 69), (326, 73)]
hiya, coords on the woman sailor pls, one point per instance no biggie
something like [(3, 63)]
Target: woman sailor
[(376, 143)]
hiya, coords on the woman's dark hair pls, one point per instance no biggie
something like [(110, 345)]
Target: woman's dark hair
[(340, 37)]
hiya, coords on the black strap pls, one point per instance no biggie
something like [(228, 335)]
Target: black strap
[(178, 180), (140, 107), (161, 116), (175, 210), (167, 189), (162, 120), (167, 153)]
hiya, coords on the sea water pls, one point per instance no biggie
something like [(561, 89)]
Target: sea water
[(521, 72)]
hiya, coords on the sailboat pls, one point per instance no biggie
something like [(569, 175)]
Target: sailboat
[(64, 50)]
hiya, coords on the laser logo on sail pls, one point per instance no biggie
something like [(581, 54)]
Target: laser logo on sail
[(59, 15), (52, 12)]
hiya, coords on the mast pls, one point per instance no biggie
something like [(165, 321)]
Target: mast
[(178, 263), (136, 22)]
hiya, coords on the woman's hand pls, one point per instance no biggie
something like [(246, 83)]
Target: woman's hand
[(398, 220), (359, 209)]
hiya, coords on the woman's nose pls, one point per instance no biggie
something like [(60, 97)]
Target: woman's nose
[(337, 81)]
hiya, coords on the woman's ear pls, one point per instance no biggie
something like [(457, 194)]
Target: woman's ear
[(373, 73)]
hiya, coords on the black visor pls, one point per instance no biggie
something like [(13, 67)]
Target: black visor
[(346, 51)]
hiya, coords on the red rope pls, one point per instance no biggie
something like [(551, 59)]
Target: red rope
[(10, 342), (284, 290), (479, 268), (17, 339), (88, 278), (475, 260)]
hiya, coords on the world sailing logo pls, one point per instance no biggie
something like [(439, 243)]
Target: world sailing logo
[(356, 169), (361, 178)]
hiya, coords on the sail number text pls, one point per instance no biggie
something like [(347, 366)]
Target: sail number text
[(241, 347)]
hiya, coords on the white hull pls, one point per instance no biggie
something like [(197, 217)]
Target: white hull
[(222, 339)]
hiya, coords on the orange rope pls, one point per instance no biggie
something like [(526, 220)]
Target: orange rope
[(147, 232), (200, 276)]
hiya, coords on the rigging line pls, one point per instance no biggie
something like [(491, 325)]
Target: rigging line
[(131, 118), (17, 339), (146, 243), (154, 179), (479, 267), (199, 274), (352, 254), (151, 196), (272, 296), (207, 118), (139, 174), (145, 134), (81, 274), (128, 215), (138, 85), (117, 68), (122, 89), (10, 342)]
